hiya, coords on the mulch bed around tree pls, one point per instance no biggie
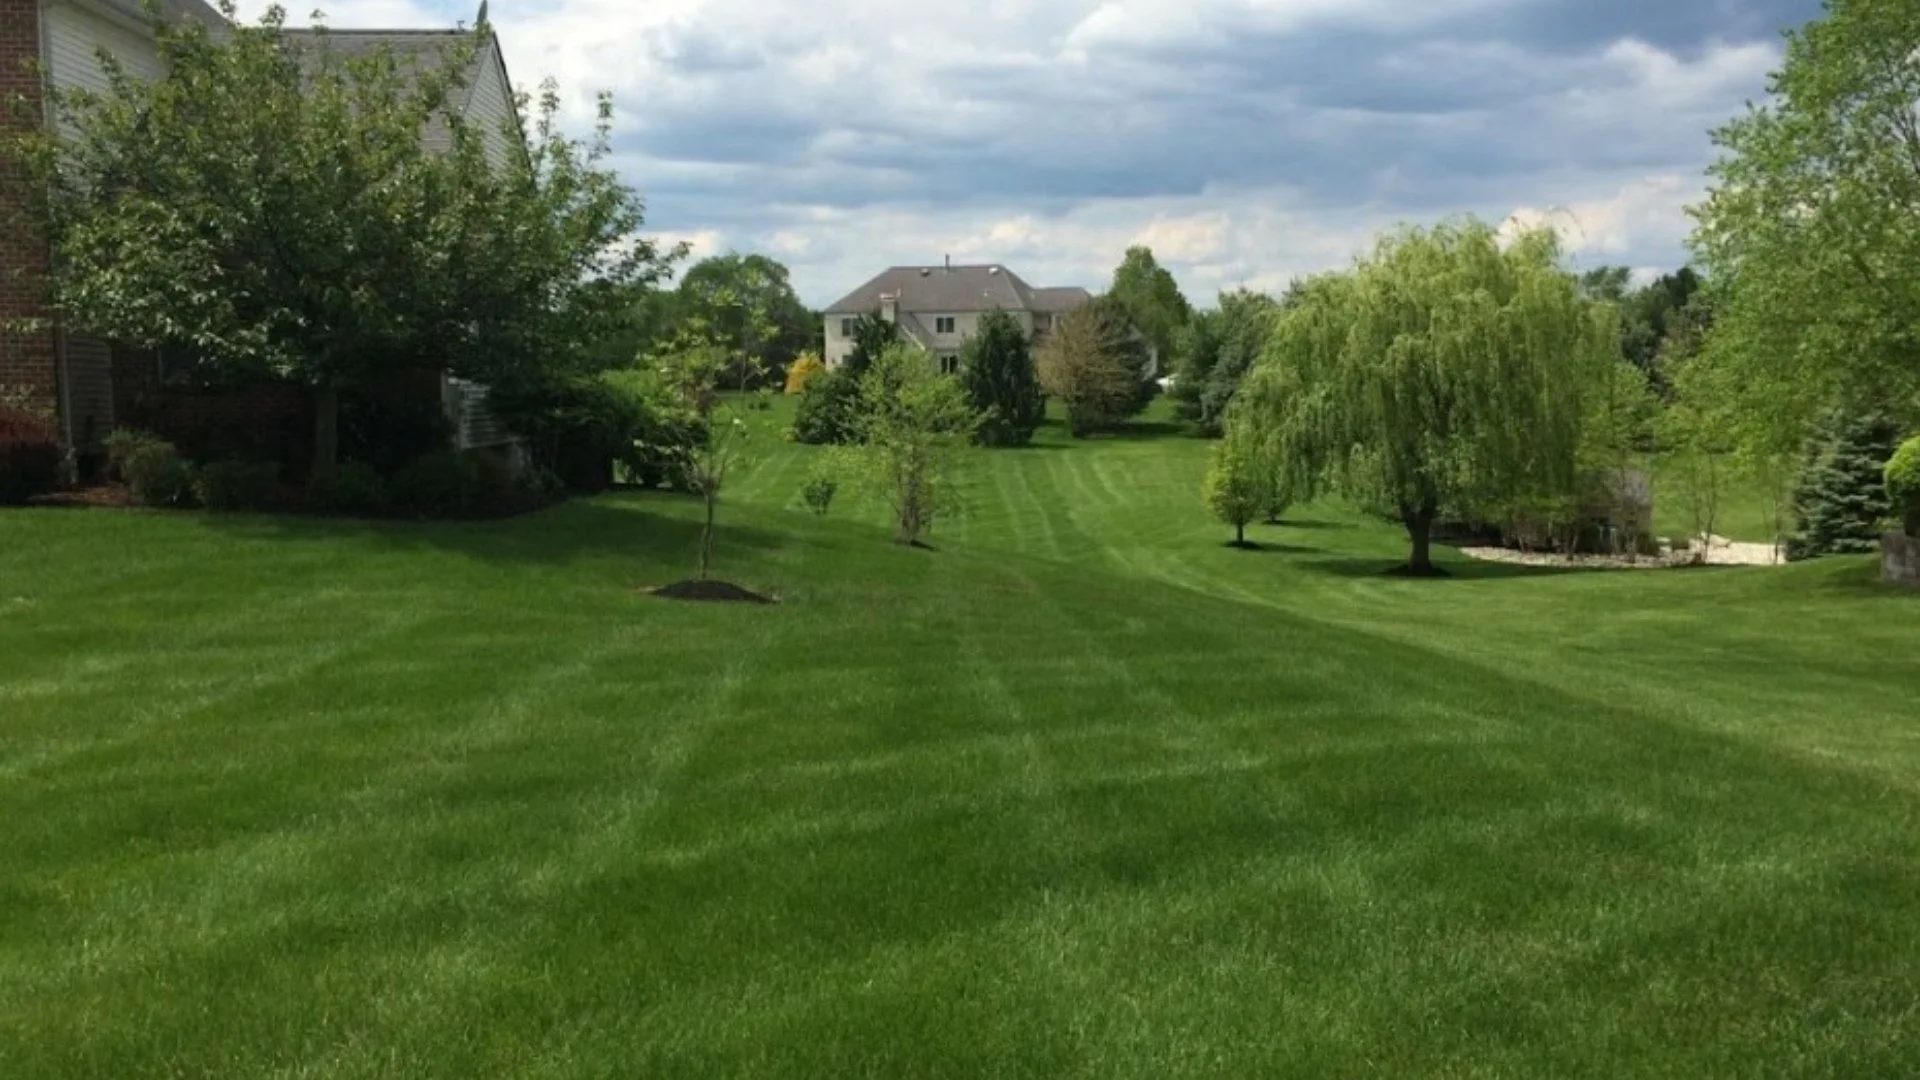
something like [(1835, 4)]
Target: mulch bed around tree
[(714, 591), (117, 495)]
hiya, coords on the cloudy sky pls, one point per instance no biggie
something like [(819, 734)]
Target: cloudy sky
[(1245, 141)]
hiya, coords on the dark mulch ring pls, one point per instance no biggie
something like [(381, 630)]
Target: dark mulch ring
[(103, 495), (710, 590)]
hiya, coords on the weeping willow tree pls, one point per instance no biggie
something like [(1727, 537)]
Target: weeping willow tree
[(1445, 373)]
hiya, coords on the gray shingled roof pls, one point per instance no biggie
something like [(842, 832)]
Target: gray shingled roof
[(956, 289), (412, 50), (1060, 299)]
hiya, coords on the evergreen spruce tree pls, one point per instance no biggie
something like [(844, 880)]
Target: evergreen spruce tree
[(1842, 501), (997, 371)]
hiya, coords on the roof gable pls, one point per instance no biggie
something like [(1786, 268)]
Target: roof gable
[(944, 289)]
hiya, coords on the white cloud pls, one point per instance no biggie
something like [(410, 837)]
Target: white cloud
[(846, 135)]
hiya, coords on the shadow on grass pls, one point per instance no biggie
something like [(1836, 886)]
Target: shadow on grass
[(1308, 523), (626, 526), (1465, 570), (1263, 547)]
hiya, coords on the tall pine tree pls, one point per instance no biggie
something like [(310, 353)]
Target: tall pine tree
[(997, 371), (1842, 499)]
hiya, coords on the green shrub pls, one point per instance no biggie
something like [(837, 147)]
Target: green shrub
[(122, 445), (354, 489), (818, 493), (541, 482), (579, 428), (159, 476), (1842, 499), (440, 484), (238, 485), (829, 412), (1903, 483)]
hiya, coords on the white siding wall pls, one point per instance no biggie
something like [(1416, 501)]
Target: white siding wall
[(76, 33), (965, 325), (492, 105)]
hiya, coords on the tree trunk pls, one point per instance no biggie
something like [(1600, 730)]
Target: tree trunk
[(1419, 523), (1240, 533), (706, 538), (326, 432)]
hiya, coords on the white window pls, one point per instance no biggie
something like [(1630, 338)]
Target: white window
[(846, 328), (943, 324), (949, 364)]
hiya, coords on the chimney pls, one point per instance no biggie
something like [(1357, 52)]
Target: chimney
[(890, 307)]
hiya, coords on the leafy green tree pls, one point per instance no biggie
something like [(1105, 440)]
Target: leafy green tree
[(997, 370), (1235, 488), (1903, 484), (1812, 224), (693, 368), (1097, 365), (872, 336), (1445, 372), (1151, 299), (1842, 500), (748, 304), (829, 410), (272, 207), (914, 431), (1214, 352)]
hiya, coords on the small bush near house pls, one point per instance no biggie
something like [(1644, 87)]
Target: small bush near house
[(443, 483), (354, 490), (238, 485), (541, 483), (27, 468), (122, 445), (158, 475), (830, 409), (1903, 484)]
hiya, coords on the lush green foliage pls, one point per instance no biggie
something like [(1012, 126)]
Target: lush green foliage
[(873, 335), (1445, 373), (830, 408), (1842, 499), (998, 373), (443, 483), (237, 485), (1214, 352), (1903, 484), (1096, 366), (1151, 299), (355, 489), (1235, 489), (1085, 795), (1810, 228), (273, 208), (157, 473), (746, 304), (914, 426), (693, 369), (818, 493)]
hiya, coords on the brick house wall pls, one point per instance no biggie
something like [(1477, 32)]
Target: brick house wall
[(26, 359)]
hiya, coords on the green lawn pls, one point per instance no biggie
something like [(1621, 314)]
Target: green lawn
[(1083, 793)]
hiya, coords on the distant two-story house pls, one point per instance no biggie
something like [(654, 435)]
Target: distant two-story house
[(96, 385), (940, 307)]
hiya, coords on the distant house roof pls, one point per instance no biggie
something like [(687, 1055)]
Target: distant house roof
[(1061, 299), (956, 289)]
